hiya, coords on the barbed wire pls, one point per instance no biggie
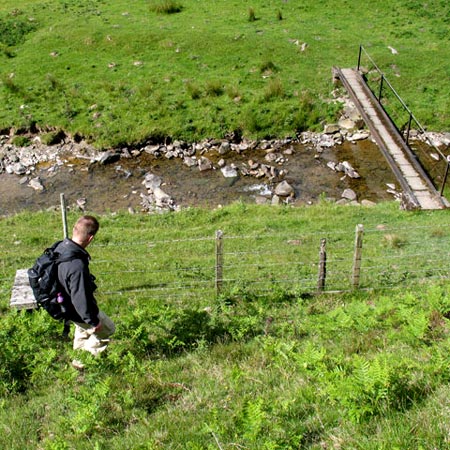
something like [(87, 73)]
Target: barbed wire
[(262, 264)]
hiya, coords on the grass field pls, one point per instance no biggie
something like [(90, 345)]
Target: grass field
[(120, 73), (357, 370), (279, 369)]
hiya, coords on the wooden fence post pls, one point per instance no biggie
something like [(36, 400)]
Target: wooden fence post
[(64, 215), (357, 255), (322, 265), (219, 261)]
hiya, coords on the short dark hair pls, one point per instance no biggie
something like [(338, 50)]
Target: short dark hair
[(87, 225)]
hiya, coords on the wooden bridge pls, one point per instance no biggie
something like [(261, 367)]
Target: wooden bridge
[(418, 190)]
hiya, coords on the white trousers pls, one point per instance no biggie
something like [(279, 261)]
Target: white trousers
[(87, 339)]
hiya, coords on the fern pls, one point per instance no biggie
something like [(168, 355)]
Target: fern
[(441, 363), (415, 321), (341, 319), (252, 419), (373, 379), (311, 356), (362, 390), (284, 354)]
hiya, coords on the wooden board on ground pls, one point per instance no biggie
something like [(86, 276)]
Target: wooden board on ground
[(22, 296)]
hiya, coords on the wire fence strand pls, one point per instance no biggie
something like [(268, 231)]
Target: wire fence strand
[(262, 264)]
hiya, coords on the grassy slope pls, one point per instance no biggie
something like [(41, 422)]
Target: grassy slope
[(204, 70), (356, 371)]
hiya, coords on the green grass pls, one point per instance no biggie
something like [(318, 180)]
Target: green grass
[(280, 370), (119, 73)]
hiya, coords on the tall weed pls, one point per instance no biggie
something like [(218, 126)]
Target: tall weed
[(165, 6), (15, 28), (274, 89)]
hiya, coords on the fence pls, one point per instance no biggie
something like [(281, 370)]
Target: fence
[(271, 264), (200, 269), (435, 163)]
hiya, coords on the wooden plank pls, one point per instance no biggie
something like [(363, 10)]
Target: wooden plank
[(22, 296), (417, 186)]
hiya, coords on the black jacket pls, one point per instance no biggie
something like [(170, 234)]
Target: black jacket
[(78, 284)]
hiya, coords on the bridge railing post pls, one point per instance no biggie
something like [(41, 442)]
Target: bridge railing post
[(359, 57), (381, 88), (390, 90), (408, 129), (445, 177)]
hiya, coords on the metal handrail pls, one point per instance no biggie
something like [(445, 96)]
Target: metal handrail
[(411, 115)]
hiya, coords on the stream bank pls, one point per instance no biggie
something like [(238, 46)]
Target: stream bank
[(342, 164), (93, 183)]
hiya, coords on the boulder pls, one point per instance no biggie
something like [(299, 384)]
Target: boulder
[(261, 200), (204, 164), (359, 136), (331, 128), (332, 165), (108, 157), (161, 198), (275, 200), (152, 181), (189, 161), (224, 148), (152, 150), (349, 170), (253, 165), (284, 189), (271, 157), (349, 194), (352, 113), (17, 169), (81, 203), (347, 124), (36, 184), (326, 140), (229, 172)]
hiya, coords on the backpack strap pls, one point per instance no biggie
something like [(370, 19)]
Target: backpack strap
[(67, 256)]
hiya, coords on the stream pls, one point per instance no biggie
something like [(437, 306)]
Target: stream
[(118, 186)]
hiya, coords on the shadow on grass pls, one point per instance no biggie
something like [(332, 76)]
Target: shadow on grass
[(188, 330)]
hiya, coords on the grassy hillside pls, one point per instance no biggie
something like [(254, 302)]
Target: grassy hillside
[(359, 370), (122, 72)]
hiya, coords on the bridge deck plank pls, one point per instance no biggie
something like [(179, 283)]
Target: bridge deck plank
[(22, 296), (420, 188)]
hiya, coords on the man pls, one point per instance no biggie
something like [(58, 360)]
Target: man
[(92, 326)]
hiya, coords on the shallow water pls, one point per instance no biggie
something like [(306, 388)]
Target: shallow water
[(118, 186)]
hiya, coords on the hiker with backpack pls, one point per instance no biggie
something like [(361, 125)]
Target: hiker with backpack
[(63, 285)]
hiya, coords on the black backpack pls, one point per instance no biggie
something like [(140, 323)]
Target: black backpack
[(43, 277)]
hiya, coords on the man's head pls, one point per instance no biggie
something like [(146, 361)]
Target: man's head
[(84, 230)]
